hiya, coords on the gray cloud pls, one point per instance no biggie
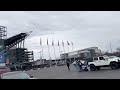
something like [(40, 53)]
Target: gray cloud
[(85, 29)]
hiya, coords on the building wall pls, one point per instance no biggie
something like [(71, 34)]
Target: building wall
[(11, 56), (19, 55), (84, 53)]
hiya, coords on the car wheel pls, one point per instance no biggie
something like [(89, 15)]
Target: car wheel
[(92, 67), (113, 65)]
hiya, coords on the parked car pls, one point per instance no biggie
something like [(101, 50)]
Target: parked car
[(16, 75)]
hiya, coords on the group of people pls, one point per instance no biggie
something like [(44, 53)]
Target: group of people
[(79, 65)]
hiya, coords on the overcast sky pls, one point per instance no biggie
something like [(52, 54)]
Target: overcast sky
[(83, 28)]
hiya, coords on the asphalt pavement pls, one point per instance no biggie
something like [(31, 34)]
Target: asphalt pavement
[(61, 72)]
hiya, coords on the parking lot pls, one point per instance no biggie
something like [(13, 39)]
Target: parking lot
[(61, 72)]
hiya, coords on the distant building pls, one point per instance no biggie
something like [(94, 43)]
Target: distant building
[(19, 55), (40, 61), (83, 54)]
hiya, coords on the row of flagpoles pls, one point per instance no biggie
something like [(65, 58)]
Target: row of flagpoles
[(54, 47)]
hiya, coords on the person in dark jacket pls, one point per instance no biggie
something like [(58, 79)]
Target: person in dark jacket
[(68, 65)]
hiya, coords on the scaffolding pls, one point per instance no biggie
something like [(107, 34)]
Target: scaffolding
[(3, 32)]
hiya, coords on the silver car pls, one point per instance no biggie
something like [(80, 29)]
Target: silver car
[(15, 75)]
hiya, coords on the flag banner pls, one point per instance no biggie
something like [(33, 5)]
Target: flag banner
[(62, 43), (68, 43), (47, 41), (58, 42), (40, 42), (52, 43)]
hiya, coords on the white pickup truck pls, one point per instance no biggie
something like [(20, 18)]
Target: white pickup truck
[(103, 61)]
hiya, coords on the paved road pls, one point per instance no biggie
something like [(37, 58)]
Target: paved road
[(61, 72)]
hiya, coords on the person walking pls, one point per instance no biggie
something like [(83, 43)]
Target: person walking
[(68, 65)]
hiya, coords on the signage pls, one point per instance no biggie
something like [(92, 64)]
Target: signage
[(2, 57)]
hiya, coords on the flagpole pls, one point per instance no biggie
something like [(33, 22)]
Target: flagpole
[(49, 55), (63, 47), (64, 53), (42, 50), (48, 52), (110, 47), (72, 46), (72, 49), (55, 56), (42, 54), (54, 52), (59, 52), (59, 48), (64, 50), (68, 49)]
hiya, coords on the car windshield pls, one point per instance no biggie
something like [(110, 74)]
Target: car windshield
[(16, 76)]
